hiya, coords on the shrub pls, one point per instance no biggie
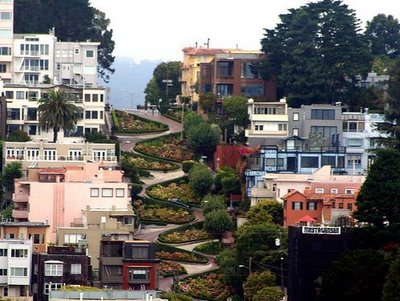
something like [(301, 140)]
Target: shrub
[(200, 180), (217, 222), (187, 165), (144, 173), (136, 189), (213, 202), (209, 248)]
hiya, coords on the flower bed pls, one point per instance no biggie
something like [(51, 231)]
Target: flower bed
[(184, 236), (168, 147), (207, 286), (143, 162), (168, 252), (164, 214), (172, 268), (129, 123), (181, 191)]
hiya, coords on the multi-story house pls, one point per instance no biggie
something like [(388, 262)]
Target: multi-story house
[(273, 186), (117, 223), (76, 63), (359, 133), (72, 151), (58, 267), (22, 108), (39, 233), (58, 195), (6, 39), (128, 265), (33, 58), (268, 122), (15, 269)]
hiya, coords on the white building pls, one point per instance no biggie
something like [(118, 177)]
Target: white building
[(268, 122), (15, 269), (359, 131), (6, 39), (76, 63), (33, 58)]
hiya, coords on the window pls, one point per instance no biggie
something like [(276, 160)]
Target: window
[(349, 191), (297, 206), (4, 15), (248, 70), (20, 95), (350, 206), (19, 253), (87, 97), (76, 50), (107, 192), (295, 116), (259, 127), (3, 68), (5, 289), (19, 272), (354, 159), (10, 94), (323, 114), (3, 252), (270, 161), (95, 115), (312, 205), (5, 33), (76, 268), (252, 90), (53, 269), (224, 69), (119, 192), (95, 97), (328, 160), (340, 205), (354, 142), (3, 272), (334, 191), (140, 252), (319, 190), (51, 287), (326, 131), (89, 53), (94, 192), (295, 132), (309, 162), (282, 127), (139, 274), (73, 238), (5, 50), (224, 89), (36, 238)]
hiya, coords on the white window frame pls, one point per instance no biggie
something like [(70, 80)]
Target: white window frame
[(334, 191), (319, 190), (53, 269), (94, 192), (14, 274), (107, 192), (51, 287), (76, 268), (119, 192)]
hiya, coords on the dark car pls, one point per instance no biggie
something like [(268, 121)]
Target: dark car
[(180, 203)]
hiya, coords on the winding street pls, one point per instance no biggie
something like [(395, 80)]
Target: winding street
[(151, 232)]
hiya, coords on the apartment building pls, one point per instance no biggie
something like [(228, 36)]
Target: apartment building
[(15, 269), (6, 39), (94, 223), (268, 122), (22, 108), (57, 196), (128, 265), (40, 153)]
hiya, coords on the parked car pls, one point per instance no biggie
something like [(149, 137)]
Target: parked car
[(180, 203)]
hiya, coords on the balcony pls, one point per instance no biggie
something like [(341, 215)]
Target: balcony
[(20, 213), (20, 198)]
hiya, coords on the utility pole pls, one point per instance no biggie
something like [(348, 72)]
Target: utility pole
[(250, 269)]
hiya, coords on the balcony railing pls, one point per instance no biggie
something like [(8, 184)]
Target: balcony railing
[(20, 198), (20, 213), (51, 158)]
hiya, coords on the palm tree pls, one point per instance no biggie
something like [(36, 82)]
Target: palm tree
[(56, 112)]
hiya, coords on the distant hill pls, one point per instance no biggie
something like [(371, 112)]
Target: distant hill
[(131, 77)]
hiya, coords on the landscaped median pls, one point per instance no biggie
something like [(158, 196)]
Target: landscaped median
[(149, 163), (132, 124), (184, 234), (169, 269), (153, 214), (169, 147), (167, 252)]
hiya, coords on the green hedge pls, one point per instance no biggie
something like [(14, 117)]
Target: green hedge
[(187, 165), (163, 127), (200, 258), (197, 225), (165, 222)]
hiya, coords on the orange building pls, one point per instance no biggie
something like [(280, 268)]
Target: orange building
[(319, 208)]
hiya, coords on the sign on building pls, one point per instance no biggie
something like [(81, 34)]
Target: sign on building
[(321, 230)]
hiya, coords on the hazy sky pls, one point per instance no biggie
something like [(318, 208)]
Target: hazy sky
[(159, 29)]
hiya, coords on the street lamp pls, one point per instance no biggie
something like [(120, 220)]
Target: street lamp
[(130, 94)]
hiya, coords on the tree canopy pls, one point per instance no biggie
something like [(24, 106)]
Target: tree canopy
[(73, 20), (316, 52)]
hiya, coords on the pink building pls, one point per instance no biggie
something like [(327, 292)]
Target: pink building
[(57, 196)]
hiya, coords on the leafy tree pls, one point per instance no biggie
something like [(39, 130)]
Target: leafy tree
[(223, 172), (191, 120), (230, 185), (391, 288), (130, 170), (18, 136), (203, 138), (236, 107), (57, 112), (357, 275), (6, 213), (383, 35), (269, 293), (229, 265), (97, 137), (207, 102), (377, 201), (151, 92), (11, 172), (391, 126), (167, 71), (73, 20), (258, 241), (211, 203), (200, 180), (266, 211), (315, 53), (257, 281), (217, 222)]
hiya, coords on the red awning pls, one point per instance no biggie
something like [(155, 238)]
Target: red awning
[(306, 219)]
